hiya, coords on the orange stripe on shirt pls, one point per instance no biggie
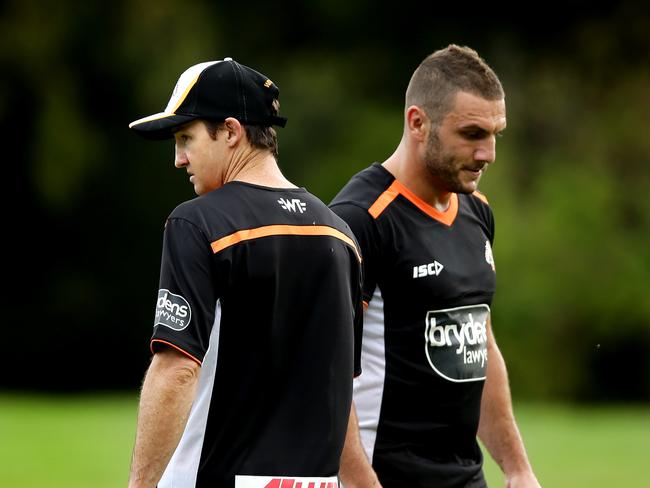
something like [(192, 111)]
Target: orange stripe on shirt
[(175, 347), (282, 230), (447, 217), (396, 188), (384, 200), (480, 196)]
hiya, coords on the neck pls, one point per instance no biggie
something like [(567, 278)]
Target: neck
[(257, 167), (408, 168)]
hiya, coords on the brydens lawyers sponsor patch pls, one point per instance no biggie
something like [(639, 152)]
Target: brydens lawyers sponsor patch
[(456, 342), (172, 310)]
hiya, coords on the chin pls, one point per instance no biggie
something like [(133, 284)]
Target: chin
[(465, 188), (468, 186)]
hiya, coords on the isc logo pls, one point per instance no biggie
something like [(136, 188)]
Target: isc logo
[(431, 269), (293, 204)]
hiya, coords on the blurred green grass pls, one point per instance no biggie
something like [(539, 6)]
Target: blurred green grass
[(86, 440), (582, 446), (77, 441)]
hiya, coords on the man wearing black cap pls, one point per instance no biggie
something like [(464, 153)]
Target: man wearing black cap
[(260, 296)]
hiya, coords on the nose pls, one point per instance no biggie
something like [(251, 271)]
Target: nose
[(180, 158), (486, 151)]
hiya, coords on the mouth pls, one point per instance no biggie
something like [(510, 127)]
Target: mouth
[(474, 171)]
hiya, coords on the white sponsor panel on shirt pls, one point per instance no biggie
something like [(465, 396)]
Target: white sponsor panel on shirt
[(285, 482), (456, 342), (172, 310)]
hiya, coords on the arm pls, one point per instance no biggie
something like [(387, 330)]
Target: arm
[(497, 427), (167, 395), (356, 471)]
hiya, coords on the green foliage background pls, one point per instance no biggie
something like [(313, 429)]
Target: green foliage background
[(88, 199)]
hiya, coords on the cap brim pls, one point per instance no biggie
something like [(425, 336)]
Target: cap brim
[(159, 126)]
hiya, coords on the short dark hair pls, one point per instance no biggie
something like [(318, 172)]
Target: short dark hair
[(447, 71), (259, 137)]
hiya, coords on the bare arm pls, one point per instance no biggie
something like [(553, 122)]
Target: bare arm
[(167, 395), (497, 427), (356, 471)]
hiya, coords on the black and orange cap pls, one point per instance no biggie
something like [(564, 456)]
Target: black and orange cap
[(215, 90)]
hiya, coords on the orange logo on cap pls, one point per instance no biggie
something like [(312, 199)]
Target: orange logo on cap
[(268, 83)]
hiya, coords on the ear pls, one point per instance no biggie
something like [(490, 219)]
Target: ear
[(235, 132), (417, 123)]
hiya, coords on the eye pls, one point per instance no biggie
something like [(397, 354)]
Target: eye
[(474, 134)]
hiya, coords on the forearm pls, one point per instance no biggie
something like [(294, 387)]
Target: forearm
[(167, 395), (356, 471), (497, 428)]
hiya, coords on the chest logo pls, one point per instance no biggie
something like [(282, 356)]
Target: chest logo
[(293, 205), (431, 269), (456, 342)]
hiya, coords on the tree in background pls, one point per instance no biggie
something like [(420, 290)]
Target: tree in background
[(88, 200)]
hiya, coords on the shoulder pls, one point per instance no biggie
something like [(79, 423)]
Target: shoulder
[(476, 202), (364, 188), (191, 209), (323, 215), (207, 213), (357, 201), (476, 205), (481, 197)]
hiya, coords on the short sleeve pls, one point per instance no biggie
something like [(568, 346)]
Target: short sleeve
[(185, 306)]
